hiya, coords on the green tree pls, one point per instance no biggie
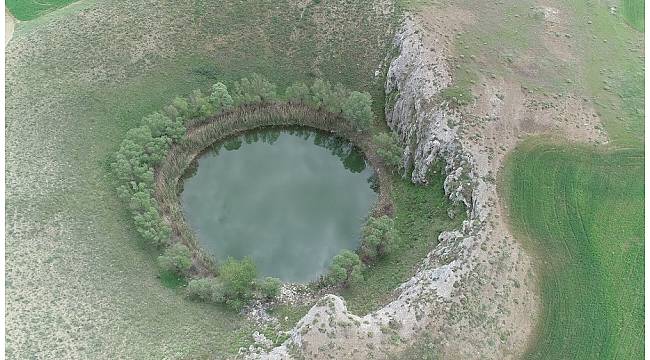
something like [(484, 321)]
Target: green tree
[(345, 269), (320, 92), (220, 98), (298, 92), (388, 148), (253, 90), (176, 259), (151, 226), (379, 237), (357, 108), (199, 105), (238, 279), (163, 126), (181, 106), (336, 98)]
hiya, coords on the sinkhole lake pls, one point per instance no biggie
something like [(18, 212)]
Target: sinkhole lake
[(290, 199)]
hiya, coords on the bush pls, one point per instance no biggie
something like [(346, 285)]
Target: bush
[(200, 289), (269, 287), (388, 149), (378, 238), (176, 259), (204, 289), (357, 108), (238, 278), (345, 269)]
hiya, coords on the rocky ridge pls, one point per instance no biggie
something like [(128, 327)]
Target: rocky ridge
[(468, 292)]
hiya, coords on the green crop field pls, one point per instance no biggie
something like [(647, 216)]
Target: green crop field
[(634, 12), (581, 212), (31, 9), (580, 209), (591, 277)]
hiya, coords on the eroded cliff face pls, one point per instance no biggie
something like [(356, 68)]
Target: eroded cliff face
[(470, 293)]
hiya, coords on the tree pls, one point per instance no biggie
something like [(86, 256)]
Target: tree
[(162, 125), (320, 92), (181, 106), (298, 92), (176, 259), (253, 90), (151, 226), (199, 105), (378, 237), (220, 98), (238, 278), (345, 269), (388, 148), (357, 108), (336, 98)]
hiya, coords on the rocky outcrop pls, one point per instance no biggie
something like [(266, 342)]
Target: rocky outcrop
[(462, 294)]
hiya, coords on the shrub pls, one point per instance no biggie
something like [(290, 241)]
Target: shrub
[(176, 259), (378, 238), (357, 108), (269, 287), (388, 148), (205, 289), (345, 269), (238, 278)]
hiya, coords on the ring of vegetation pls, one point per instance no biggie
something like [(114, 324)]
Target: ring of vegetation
[(181, 156), (153, 158)]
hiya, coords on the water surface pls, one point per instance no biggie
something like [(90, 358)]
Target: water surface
[(290, 199)]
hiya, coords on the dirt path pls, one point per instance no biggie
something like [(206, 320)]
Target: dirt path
[(10, 24)]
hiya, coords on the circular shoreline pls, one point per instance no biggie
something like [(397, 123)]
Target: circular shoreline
[(169, 175)]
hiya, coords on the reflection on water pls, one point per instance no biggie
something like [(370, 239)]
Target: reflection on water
[(274, 196)]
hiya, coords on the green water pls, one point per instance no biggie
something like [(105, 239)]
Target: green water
[(290, 199)]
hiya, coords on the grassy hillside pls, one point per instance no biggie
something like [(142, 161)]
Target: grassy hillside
[(79, 284), (581, 212), (31, 9)]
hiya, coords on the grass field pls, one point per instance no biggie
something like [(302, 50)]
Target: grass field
[(79, 284), (634, 12), (31, 9), (591, 276), (581, 212)]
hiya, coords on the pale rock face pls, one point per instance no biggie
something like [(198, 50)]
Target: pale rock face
[(451, 276)]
